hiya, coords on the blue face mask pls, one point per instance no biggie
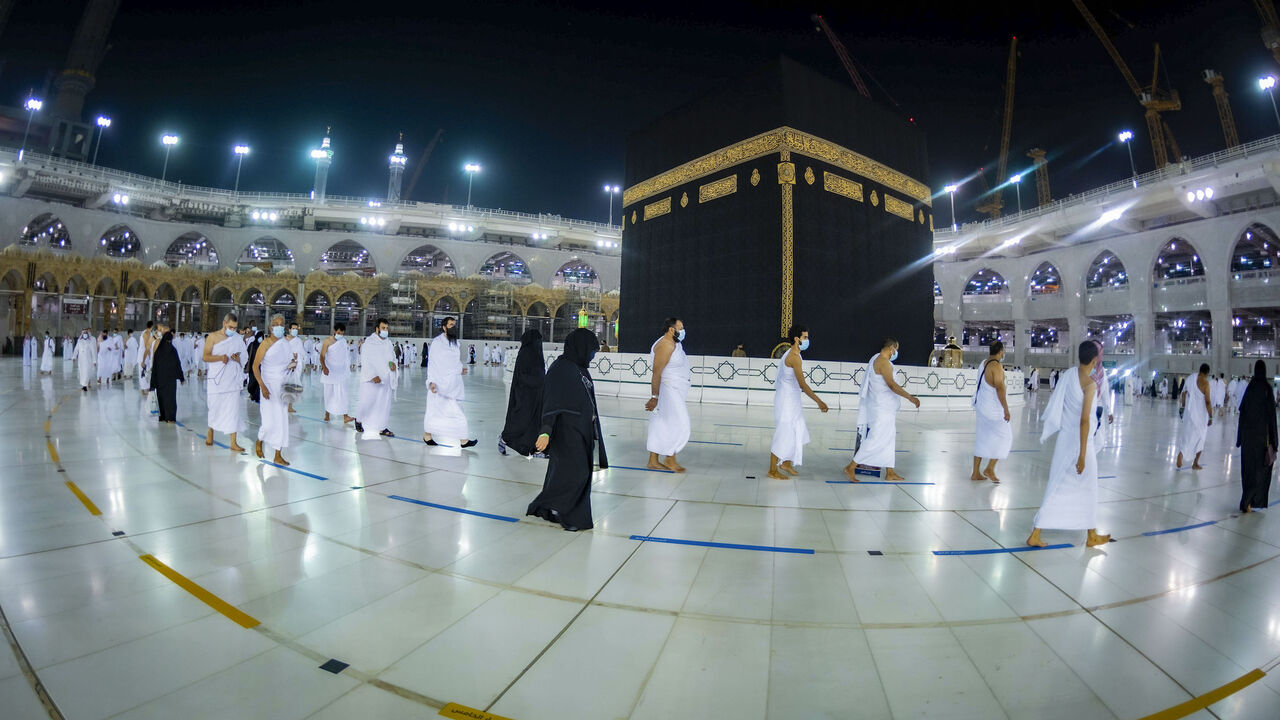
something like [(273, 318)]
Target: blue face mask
[(804, 344), (680, 335), (894, 356), (278, 331)]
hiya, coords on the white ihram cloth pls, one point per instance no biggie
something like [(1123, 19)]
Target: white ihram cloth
[(1071, 498), (669, 425), (336, 360), (104, 360), (373, 409), (994, 434), (46, 359), (299, 355), (443, 418), (1233, 394), (877, 420), (274, 410), (68, 349), (27, 350), (1195, 420), (1217, 392), (199, 354), (226, 411), (86, 354), (790, 433), (130, 352)]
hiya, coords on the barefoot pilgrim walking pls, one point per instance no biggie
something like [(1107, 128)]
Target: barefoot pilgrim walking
[(994, 435), (1197, 416), (271, 366), (1071, 498), (334, 359), (224, 353), (790, 433), (878, 415), (669, 426)]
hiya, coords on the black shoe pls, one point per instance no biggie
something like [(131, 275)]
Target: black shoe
[(471, 443), (359, 427), (386, 433), (431, 442), (502, 447)]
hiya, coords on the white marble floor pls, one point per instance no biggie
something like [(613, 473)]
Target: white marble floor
[(842, 610)]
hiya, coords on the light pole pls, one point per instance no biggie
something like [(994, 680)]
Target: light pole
[(611, 190), (1268, 83), (104, 122), (952, 189), (1017, 186), (241, 151), (33, 106), (1126, 137), (168, 141), (471, 169)]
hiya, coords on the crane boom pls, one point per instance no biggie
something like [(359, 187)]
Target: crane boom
[(1042, 175), (417, 171), (1270, 26), (1110, 48), (995, 204), (1224, 108), (843, 54)]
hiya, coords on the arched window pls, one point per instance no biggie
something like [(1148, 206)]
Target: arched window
[(1106, 271), (191, 249), (267, 254), (46, 231), (1046, 280), (507, 266), (576, 273), (120, 242), (1177, 259), (347, 256), (428, 260), (986, 282), (1257, 249)]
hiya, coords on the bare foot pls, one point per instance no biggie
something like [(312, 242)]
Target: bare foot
[(292, 410), (991, 476), (891, 476), (655, 465), (208, 439), (673, 466), (977, 477), (776, 476), (789, 468), (257, 450), (1179, 465), (850, 473), (237, 449), (280, 459), (1035, 541), (326, 416), (346, 419), (1095, 539), (1197, 466)]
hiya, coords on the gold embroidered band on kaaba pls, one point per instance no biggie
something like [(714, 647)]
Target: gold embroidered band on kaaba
[(784, 139)]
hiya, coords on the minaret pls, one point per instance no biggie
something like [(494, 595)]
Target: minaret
[(78, 75), (323, 156), (397, 162)]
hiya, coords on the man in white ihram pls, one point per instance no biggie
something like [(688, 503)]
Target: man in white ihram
[(878, 415), (1196, 414), (377, 383), (669, 426), (334, 358), (46, 357), (443, 417), (225, 354), (86, 354), (790, 433), (994, 435)]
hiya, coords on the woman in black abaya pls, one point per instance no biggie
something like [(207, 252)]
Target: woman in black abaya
[(570, 430), (255, 393), (524, 406), (1256, 438), (166, 373)]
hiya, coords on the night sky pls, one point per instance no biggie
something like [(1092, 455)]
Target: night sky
[(544, 94)]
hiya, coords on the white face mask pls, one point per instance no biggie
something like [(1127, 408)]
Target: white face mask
[(293, 332), (383, 334), (337, 336), (278, 331)]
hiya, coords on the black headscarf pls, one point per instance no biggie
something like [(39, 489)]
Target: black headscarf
[(569, 391), (1257, 424), (580, 347), (529, 361), (166, 365)]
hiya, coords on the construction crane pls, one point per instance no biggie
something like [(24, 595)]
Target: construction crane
[(1270, 26), (1152, 98), (825, 29), (1224, 108), (1042, 176), (995, 203), (417, 171)]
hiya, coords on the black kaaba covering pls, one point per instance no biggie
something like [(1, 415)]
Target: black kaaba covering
[(860, 267)]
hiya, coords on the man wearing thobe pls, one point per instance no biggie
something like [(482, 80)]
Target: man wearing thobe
[(994, 435), (299, 352), (669, 425), (224, 354), (790, 433), (334, 358), (68, 349), (443, 416), (28, 349), (146, 347), (130, 354), (46, 357), (104, 358), (1164, 388), (1218, 394), (86, 354), (1033, 383), (878, 415), (1197, 416), (377, 381), (202, 366), (1071, 498)]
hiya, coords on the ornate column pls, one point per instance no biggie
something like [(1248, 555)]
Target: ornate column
[(787, 179)]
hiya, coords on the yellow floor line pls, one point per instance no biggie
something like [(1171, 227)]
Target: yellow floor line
[(201, 594), (46, 427), (53, 452), (93, 509), (1209, 698), (462, 712)]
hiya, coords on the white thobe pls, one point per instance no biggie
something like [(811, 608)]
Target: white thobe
[(86, 354), (226, 407), (669, 425), (1195, 421), (130, 352), (1164, 389), (46, 359), (790, 433), (336, 359), (1217, 392), (274, 370), (299, 355), (1071, 498), (994, 436), (104, 359), (878, 420), (198, 354), (373, 409), (28, 349), (68, 349), (443, 417)]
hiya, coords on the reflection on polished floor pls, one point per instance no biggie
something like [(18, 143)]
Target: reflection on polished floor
[(256, 576)]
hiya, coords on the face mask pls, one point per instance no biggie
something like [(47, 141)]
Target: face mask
[(277, 331), (383, 334), (894, 356), (337, 336), (293, 332), (254, 329), (84, 335), (680, 335), (452, 333), (804, 344)]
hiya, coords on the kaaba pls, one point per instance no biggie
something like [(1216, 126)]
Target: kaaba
[(784, 198)]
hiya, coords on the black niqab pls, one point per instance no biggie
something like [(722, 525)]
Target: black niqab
[(1256, 438), (524, 404), (166, 373)]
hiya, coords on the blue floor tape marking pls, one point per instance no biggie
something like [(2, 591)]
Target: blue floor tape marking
[(731, 546), (451, 508), (1106, 477), (1013, 451), (292, 470), (854, 450), (996, 551), (624, 467), (874, 482), (624, 417), (757, 427), (1179, 529), (710, 442)]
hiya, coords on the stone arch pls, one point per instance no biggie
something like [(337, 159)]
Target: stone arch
[(77, 285), (165, 291), (1257, 248), (428, 260), (347, 256), (283, 297), (318, 298), (1177, 258), (120, 242), (138, 290), (986, 282), (253, 296), (508, 266), (446, 304), (576, 273), (1106, 270), (46, 231), (267, 254), (192, 249), (1045, 280), (191, 294), (12, 281)]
